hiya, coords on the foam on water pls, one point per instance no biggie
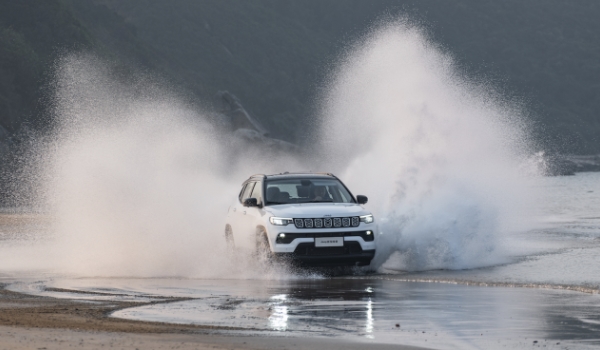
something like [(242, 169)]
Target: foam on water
[(138, 181)]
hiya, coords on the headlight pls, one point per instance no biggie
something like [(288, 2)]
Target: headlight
[(280, 221), (367, 219)]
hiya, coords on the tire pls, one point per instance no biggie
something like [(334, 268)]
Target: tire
[(229, 238), (263, 250)]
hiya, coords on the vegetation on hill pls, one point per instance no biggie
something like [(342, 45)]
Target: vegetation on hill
[(30, 34), (273, 54), (34, 33)]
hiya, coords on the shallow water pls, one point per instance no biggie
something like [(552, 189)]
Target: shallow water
[(548, 293), (363, 309), (564, 252)]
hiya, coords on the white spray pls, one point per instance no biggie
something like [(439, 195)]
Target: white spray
[(138, 182), (444, 162)]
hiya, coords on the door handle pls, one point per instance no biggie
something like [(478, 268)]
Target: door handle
[(234, 209), (244, 212)]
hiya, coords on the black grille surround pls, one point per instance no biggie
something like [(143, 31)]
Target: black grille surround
[(351, 254), (310, 223), (290, 237), (310, 249)]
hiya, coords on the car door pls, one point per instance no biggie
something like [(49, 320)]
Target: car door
[(254, 214), (238, 215), (243, 228)]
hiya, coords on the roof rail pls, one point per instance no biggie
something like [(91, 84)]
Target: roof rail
[(300, 173), (329, 174)]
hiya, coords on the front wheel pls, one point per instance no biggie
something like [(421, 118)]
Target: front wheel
[(263, 250), (229, 238)]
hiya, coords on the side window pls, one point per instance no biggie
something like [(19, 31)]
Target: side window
[(247, 191), (257, 192), (242, 192)]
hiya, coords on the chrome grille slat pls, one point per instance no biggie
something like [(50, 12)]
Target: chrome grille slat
[(318, 223), (337, 222), (308, 223), (346, 222)]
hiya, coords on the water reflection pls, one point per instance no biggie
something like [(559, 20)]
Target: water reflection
[(278, 320), (369, 322), (323, 305)]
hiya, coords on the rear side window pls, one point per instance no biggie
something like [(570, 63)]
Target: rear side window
[(242, 192)]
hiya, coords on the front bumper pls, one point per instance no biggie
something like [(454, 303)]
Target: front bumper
[(351, 254), (301, 250)]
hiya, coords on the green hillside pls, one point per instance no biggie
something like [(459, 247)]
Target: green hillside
[(34, 33), (31, 32), (273, 54)]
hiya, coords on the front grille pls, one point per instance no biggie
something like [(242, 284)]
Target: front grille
[(353, 221)]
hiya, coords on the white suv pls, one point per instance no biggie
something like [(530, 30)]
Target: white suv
[(310, 218)]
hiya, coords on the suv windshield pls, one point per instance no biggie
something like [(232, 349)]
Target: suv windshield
[(284, 191)]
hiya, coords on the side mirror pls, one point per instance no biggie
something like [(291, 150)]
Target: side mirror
[(362, 199), (250, 202)]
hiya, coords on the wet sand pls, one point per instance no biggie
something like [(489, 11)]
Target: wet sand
[(37, 322), (51, 339), (347, 312)]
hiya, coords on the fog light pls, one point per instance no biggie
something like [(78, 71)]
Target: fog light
[(283, 238), (369, 232)]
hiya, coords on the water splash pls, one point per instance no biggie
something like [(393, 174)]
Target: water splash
[(444, 161), (138, 181)]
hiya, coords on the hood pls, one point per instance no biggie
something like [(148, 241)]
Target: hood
[(316, 210)]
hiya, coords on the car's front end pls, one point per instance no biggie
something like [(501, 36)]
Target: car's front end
[(322, 234)]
